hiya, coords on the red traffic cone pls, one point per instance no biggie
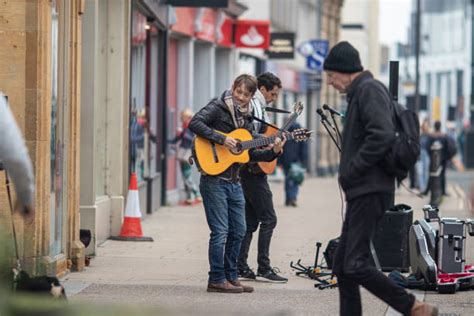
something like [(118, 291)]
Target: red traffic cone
[(131, 226)]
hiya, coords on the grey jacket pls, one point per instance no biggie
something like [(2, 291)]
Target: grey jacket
[(14, 155)]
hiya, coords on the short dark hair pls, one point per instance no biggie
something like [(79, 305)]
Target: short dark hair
[(437, 126), (268, 80), (248, 81)]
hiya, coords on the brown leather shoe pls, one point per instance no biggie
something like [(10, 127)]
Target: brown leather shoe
[(224, 287), (423, 309), (247, 288)]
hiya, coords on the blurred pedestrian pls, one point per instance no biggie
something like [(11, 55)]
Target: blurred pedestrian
[(184, 139), (368, 135), (423, 164), (15, 160), (293, 160), (448, 151)]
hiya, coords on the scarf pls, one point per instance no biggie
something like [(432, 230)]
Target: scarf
[(238, 113)]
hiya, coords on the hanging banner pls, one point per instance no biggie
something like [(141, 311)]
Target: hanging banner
[(252, 33), (282, 46)]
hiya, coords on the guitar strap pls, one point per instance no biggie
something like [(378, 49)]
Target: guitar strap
[(266, 123)]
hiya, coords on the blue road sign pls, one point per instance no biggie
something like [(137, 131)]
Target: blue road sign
[(315, 52)]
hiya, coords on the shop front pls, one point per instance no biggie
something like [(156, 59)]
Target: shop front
[(147, 94)]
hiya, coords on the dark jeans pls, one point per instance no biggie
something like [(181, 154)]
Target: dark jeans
[(352, 262), (291, 188), (258, 210), (224, 205)]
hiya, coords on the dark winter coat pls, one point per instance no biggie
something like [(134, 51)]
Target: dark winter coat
[(367, 136), (216, 116)]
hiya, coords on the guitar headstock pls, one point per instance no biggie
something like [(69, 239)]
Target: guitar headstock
[(298, 107), (301, 134)]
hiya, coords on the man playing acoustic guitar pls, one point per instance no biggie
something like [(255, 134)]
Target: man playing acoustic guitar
[(258, 196), (222, 194)]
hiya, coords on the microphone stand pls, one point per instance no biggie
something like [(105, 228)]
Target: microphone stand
[(325, 123), (336, 128)]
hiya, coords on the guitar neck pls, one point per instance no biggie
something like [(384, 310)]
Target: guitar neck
[(263, 141)]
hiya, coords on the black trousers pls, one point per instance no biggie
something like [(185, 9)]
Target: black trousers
[(353, 263), (258, 211)]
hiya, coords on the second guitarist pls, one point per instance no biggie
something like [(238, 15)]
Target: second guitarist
[(259, 208), (222, 194)]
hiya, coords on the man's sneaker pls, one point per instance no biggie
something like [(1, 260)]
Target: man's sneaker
[(224, 287), (271, 276), (247, 275)]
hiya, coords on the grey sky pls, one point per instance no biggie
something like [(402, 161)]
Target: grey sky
[(394, 19)]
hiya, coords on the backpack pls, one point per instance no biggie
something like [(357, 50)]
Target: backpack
[(406, 146)]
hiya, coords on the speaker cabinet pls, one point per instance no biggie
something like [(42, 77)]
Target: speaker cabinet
[(391, 238)]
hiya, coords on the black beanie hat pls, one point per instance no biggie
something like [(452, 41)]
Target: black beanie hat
[(343, 57)]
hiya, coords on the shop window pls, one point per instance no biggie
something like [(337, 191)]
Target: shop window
[(58, 148)]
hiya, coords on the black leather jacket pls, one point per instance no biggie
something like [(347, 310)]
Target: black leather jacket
[(216, 116)]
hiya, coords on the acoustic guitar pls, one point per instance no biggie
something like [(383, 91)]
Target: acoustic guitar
[(213, 159), (269, 167)]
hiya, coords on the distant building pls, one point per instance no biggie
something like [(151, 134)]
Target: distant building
[(445, 60)]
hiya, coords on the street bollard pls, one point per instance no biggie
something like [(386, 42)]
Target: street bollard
[(435, 173)]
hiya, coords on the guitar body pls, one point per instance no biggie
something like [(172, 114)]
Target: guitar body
[(269, 167), (214, 159)]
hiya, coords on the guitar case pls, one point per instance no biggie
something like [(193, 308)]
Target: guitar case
[(430, 236), (422, 237), (451, 245), (422, 264), (449, 283)]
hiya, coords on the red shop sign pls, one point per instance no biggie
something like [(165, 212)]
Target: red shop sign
[(205, 24), (252, 33), (224, 30), (185, 21)]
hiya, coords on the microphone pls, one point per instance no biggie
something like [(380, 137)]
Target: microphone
[(321, 113), (276, 110), (332, 111), (324, 118)]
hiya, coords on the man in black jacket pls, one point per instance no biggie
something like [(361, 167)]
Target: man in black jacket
[(222, 194), (259, 208), (368, 134)]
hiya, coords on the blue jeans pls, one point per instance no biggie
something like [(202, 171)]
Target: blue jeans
[(291, 188), (423, 170), (224, 204)]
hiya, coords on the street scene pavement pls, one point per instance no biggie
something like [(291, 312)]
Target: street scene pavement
[(170, 274)]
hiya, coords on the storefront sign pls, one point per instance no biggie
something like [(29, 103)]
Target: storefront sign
[(200, 3), (252, 34), (184, 21), (224, 30), (315, 52), (282, 46), (205, 24)]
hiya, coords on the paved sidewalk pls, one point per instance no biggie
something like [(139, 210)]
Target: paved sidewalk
[(171, 272)]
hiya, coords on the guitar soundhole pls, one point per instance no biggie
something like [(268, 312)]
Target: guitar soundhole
[(238, 149)]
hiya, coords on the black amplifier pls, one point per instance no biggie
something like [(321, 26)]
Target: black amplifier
[(391, 238)]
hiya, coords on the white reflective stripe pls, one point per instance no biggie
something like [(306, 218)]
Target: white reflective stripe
[(132, 208)]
